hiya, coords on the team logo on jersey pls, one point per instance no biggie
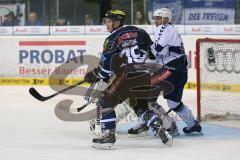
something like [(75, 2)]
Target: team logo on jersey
[(105, 45)]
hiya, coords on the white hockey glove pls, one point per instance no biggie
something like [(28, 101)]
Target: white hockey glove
[(153, 50), (95, 91)]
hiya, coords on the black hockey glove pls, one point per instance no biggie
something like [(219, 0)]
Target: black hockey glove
[(92, 76)]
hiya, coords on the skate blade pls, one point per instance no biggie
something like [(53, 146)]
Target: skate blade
[(176, 134), (169, 143), (142, 134), (105, 146), (166, 135), (194, 134)]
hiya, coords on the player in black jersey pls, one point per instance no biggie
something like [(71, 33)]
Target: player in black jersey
[(124, 53)]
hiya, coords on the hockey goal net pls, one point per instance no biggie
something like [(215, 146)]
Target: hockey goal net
[(218, 79)]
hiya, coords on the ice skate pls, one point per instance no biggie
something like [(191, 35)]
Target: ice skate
[(105, 141), (194, 129), (140, 130)]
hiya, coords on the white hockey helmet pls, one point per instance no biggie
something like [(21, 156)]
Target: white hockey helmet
[(163, 12)]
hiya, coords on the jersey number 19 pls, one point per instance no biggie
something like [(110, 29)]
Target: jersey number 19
[(133, 55)]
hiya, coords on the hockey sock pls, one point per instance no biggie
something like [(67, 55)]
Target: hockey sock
[(108, 121), (183, 112), (186, 115)]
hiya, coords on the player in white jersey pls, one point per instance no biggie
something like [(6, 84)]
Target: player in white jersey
[(169, 51)]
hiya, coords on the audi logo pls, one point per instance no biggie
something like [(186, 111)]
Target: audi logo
[(74, 30), (3, 30), (223, 60), (34, 30)]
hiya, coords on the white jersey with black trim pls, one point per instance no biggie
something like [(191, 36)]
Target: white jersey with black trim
[(168, 44)]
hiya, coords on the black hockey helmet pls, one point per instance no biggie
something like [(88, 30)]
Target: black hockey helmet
[(116, 15)]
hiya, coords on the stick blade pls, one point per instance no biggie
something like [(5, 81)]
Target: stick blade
[(36, 95), (81, 108)]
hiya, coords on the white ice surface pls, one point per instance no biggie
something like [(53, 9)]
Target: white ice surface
[(29, 130)]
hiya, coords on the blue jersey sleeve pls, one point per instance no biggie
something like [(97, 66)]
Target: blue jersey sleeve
[(105, 67), (109, 48)]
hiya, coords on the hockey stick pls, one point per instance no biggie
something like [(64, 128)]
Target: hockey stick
[(39, 97), (84, 106)]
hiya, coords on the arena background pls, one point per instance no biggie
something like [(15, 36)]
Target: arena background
[(69, 29)]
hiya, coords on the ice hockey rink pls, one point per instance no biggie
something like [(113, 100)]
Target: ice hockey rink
[(31, 131)]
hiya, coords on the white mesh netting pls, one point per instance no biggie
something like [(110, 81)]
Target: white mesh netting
[(219, 80)]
